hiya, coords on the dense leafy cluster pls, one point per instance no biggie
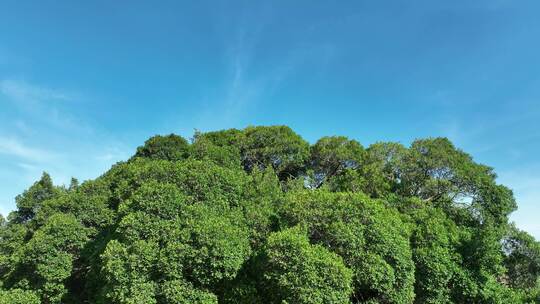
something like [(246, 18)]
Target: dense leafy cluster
[(261, 216)]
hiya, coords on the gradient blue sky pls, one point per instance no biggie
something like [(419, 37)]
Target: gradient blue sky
[(82, 83)]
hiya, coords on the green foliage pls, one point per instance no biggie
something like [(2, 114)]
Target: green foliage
[(31, 200), (18, 296), (277, 147), (223, 138), (226, 156), (171, 147), (263, 195), (371, 239), (88, 204), (162, 234), (434, 241), (381, 169), (258, 216), (179, 292), (299, 272), (46, 261), (12, 239), (522, 259), (333, 157)]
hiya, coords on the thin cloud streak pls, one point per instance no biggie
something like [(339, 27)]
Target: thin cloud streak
[(45, 105), (27, 94), (245, 88), (14, 147)]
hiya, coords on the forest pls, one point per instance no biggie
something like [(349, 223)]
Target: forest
[(260, 215)]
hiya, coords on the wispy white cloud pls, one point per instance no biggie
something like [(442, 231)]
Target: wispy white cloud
[(44, 104), (246, 85), (14, 147), (28, 167), (28, 94), (242, 86), (47, 133)]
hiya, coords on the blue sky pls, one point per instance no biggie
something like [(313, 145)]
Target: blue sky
[(83, 83)]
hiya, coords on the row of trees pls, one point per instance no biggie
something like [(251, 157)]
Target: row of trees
[(261, 216)]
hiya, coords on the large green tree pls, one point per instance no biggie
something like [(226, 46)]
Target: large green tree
[(258, 215)]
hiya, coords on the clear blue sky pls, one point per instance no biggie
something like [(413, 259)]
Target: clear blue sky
[(82, 83)]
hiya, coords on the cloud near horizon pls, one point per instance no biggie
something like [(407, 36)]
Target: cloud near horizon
[(40, 135)]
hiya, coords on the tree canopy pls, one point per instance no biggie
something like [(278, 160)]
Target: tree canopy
[(260, 215)]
